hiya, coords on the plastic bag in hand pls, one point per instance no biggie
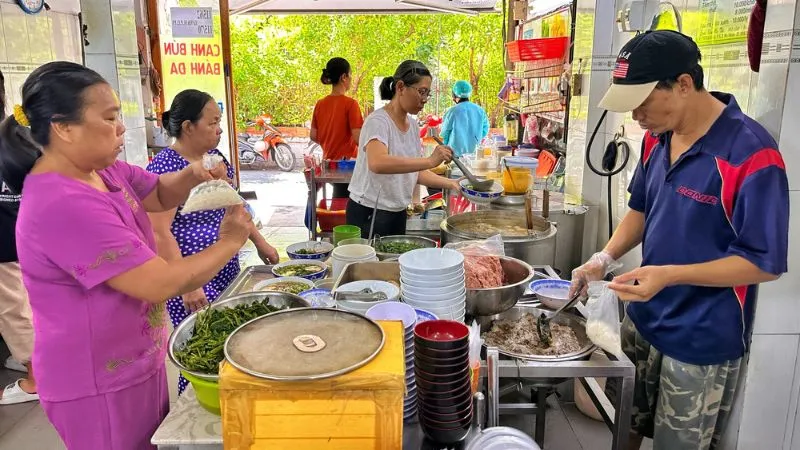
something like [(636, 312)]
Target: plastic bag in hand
[(211, 160), (214, 194), (602, 318)]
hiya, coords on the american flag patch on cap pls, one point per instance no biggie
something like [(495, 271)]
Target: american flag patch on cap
[(620, 69)]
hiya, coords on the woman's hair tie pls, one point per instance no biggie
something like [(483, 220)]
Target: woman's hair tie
[(20, 117)]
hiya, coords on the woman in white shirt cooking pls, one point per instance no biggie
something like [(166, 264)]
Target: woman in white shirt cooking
[(390, 162)]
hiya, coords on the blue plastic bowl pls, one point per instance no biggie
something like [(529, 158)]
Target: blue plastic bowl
[(311, 277), (325, 247)]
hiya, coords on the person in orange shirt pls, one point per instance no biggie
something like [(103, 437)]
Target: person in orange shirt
[(337, 119)]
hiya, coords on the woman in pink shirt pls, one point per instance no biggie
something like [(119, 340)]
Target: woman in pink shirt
[(88, 256)]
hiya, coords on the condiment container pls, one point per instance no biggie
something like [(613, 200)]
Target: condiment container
[(518, 174)]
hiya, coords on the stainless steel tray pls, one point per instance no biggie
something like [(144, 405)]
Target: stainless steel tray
[(247, 278), (381, 271)]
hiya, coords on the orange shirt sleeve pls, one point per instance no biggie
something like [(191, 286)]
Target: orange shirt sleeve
[(354, 117), (314, 116)]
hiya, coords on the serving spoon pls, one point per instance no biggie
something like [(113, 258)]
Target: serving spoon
[(477, 185)]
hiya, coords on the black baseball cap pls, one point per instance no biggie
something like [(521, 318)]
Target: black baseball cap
[(645, 60)]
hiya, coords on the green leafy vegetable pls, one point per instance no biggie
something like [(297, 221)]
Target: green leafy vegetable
[(308, 251), (397, 247), (205, 349)]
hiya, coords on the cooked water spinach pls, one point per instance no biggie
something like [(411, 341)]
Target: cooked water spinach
[(396, 248), (205, 349)]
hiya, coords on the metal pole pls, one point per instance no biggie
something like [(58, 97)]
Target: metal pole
[(493, 391), (230, 98)]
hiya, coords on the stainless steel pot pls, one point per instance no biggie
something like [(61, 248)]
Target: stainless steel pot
[(536, 249)]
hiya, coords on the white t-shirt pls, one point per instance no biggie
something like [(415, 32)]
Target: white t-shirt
[(396, 189)]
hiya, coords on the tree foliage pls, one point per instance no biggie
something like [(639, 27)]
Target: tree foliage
[(278, 60)]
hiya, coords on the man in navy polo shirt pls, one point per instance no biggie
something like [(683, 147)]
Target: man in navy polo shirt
[(709, 204)]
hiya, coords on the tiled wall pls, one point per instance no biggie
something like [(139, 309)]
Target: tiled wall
[(27, 41), (113, 52), (766, 415)]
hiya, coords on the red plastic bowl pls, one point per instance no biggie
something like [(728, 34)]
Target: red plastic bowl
[(425, 394), (442, 378), (443, 386), (449, 404), (442, 334), (441, 417), (421, 346), (422, 360)]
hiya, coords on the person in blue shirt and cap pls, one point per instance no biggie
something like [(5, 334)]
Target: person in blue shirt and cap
[(709, 204), (465, 124)]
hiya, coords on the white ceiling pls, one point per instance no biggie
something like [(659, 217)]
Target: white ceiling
[(351, 6)]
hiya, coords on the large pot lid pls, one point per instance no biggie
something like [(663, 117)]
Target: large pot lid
[(304, 344)]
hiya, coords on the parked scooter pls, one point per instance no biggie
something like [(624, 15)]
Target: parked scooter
[(271, 145)]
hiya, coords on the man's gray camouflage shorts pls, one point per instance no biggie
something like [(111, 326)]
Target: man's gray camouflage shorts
[(681, 406)]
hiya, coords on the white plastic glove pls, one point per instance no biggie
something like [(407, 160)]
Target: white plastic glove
[(595, 269)]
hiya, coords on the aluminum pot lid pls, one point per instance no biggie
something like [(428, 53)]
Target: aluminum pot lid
[(304, 344)]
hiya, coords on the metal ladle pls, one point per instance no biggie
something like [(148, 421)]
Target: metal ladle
[(477, 185), (543, 322)]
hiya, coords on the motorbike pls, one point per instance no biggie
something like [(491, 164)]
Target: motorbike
[(271, 145)]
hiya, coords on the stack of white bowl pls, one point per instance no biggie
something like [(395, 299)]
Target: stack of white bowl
[(347, 254), (433, 279), (407, 314)]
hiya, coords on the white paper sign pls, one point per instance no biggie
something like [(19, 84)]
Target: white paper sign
[(192, 22)]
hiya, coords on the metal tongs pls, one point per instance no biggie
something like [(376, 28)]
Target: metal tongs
[(543, 322), (364, 295)]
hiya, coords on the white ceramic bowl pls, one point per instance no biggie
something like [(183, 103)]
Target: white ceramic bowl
[(480, 197), (432, 261), (452, 314), (347, 254), (393, 311), (440, 289), (427, 297), (432, 280), (392, 292), (455, 309), (442, 275), (264, 285)]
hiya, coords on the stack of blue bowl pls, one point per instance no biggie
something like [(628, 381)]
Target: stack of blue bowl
[(408, 315)]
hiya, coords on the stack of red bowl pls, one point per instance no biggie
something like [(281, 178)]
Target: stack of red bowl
[(444, 390)]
